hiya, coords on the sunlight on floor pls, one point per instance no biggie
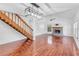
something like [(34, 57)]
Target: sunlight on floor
[(50, 40)]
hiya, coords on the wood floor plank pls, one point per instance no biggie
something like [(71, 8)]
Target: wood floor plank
[(43, 45)]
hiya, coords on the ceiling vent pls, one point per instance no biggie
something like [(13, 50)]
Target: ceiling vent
[(34, 4), (52, 19)]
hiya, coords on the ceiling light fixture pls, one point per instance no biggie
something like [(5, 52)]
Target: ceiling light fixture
[(32, 12)]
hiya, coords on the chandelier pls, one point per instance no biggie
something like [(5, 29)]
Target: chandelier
[(30, 11)]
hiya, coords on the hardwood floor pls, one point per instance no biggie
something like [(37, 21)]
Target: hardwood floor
[(26, 49), (44, 45), (48, 45), (8, 48)]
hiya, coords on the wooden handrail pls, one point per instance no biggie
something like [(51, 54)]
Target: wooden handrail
[(23, 21), (15, 21), (19, 18)]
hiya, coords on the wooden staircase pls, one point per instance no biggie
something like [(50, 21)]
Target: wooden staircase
[(15, 21)]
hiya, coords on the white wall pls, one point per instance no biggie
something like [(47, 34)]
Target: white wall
[(41, 26), (66, 24), (28, 19), (8, 34), (12, 7)]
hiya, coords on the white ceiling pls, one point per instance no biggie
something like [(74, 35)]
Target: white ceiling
[(48, 9), (64, 10)]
